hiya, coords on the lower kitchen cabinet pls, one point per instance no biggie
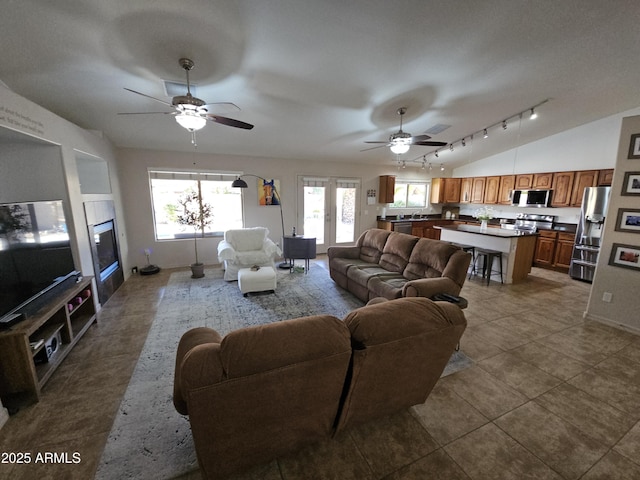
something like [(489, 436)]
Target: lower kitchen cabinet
[(553, 250)]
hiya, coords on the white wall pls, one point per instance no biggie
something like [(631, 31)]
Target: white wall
[(134, 165), (623, 283)]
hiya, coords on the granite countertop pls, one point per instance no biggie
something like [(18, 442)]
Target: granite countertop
[(493, 232)]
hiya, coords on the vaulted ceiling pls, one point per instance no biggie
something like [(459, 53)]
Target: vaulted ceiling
[(318, 78)]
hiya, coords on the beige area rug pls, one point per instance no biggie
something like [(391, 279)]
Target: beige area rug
[(149, 439)]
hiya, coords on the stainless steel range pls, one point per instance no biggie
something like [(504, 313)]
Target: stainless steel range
[(530, 222)]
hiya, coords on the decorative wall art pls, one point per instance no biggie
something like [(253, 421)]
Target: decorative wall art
[(625, 256), (634, 147), (628, 220), (631, 184), (268, 192)]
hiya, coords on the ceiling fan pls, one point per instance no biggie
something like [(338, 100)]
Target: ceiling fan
[(400, 141), (191, 112)]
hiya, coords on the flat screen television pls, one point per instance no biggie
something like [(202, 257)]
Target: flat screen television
[(35, 254)]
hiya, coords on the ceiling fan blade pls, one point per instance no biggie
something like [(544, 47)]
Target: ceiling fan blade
[(146, 113), (229, 122), (373, 148), (386, 143), (149, 96), (431, 144), (222, 107), (420, 138)]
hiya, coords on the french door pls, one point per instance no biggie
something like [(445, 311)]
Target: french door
[(328, 209)]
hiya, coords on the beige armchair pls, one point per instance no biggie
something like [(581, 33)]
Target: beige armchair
[(245, 247)]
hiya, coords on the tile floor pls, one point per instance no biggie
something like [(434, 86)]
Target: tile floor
[(550, 396)]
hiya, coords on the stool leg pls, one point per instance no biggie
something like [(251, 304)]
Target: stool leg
[(501, 269)]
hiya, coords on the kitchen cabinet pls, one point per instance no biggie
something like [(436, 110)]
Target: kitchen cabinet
[(477, 189), (491, 190), (542, 181), (445, 190), (564, 250), (562, 188), (524, 182), (466, 186), (582, 180), (507, 183), (386, 189), (553, 250), (605, 177), (545, 248)]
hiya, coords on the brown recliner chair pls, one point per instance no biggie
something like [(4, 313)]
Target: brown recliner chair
[(260, 392), (400, 349)]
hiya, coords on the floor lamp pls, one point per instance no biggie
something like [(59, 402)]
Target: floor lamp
[(239, 183)]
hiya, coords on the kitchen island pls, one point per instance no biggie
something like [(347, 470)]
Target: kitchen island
[(517, 247)]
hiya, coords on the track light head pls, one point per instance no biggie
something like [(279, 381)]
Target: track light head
[(533, 115), (504, 124), (451, 147), (464, 142), (436, 153), (442, 167), (485, 134)]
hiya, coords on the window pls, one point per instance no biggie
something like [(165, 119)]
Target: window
[(168, 187), (410, 195)]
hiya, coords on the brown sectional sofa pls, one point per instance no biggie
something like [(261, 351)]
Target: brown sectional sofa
[(393, 265), (262, 392)]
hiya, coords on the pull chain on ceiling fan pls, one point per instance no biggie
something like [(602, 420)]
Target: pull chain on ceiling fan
[(192, 113)]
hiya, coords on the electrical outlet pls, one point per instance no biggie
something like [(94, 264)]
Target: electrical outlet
[(607, 297)]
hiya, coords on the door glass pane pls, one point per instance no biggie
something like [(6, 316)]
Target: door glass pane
[(314, 201), (345, 214)]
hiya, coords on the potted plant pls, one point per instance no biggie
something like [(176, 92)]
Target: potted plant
[(196, 214), (484, 215)]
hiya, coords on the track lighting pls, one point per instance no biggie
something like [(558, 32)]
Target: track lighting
[(404, 164), (451, 147), (464, 142), (436, 153), (485, 134), (430, 167), (533, 115), (504, 124), (442, 167)]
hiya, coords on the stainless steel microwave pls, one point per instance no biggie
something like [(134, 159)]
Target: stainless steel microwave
[(531, 198)]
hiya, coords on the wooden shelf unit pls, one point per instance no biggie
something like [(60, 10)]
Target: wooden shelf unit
[(21, 376)]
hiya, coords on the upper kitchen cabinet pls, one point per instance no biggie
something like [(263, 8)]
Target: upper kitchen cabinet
[(542, 181), (562, 185), (466, 186), (507, 183), (524, 182), (582, 180), (445, 190), (387, 188), (491, 190), (605, 177), (478, 185)]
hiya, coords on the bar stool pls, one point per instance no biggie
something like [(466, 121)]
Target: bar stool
[(470, 249), (487, 263)]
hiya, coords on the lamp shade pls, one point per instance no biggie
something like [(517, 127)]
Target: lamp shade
[(239, 183), (191, 121)]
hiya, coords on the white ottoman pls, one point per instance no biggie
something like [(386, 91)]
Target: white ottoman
[(259, 280)]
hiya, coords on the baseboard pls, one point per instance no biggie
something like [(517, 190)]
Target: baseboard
[(611, 323)]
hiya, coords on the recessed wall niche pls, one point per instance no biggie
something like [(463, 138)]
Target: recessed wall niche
[(93, 173)]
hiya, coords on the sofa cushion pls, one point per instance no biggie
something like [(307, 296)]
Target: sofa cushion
[(387, 286), (397, 251), (428, 259), (372, 243), (362, 275), (342, 265), (247, 239), (267, 347)]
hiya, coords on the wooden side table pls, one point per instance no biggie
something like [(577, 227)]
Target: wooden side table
[(299, 247)]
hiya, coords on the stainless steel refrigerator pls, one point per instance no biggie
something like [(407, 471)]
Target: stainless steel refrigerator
[(589, 233)]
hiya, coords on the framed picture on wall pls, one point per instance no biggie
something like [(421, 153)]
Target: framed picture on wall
[(631, 184), (268, 192), (634, 146), (628, 220), (626, 256)]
